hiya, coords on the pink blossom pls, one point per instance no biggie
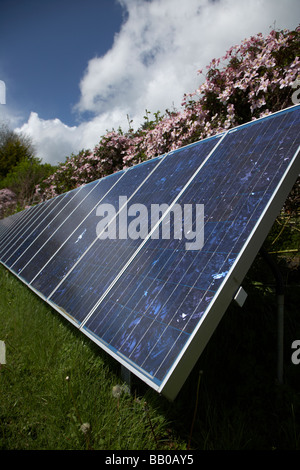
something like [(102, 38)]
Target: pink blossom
[(254, 78)]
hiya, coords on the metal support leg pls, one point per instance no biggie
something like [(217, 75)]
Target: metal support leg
[(126, 376), (280, 312), (280, 320)]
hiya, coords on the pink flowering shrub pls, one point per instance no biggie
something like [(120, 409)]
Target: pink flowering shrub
[(85, 167), (8, 202), (253, 79)]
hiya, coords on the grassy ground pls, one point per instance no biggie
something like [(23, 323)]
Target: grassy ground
[(58, 390)]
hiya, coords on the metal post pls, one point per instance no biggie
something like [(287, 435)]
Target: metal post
[(280, 311), (280, 320), (126, 376)]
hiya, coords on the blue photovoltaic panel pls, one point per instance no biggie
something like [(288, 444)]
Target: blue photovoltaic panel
[(30, 227), (9, 222), (33, 238), (47, 247), (103, 259), (73, 240), (151, 302), (155, 308), (11, 226), (56, 230)]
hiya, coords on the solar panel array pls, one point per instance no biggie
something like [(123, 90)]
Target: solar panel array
[(149, 301)]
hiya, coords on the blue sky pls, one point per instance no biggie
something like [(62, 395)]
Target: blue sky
[(44, 49), (76, 68)]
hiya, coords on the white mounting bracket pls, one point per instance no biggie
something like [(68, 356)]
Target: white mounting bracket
[(240, 296), (2, 353)]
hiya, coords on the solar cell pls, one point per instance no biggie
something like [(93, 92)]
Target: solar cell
[(81, 234), (153, 301), (30, 226), (9, 222), (32, 239), (105, 258), (11, 225)]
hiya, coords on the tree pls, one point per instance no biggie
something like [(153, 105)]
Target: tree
[(14, 148), (23, 178), (20, 170)]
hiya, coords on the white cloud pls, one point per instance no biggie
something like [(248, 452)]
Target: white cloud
[(52, 139), (154, 61), (163, 43)]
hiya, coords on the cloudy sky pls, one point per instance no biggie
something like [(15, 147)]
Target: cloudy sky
[(74, 69)]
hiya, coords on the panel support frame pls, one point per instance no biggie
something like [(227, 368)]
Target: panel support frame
[(126, 376), (280, 310)]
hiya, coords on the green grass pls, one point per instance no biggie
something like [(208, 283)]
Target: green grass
[(56, 380)]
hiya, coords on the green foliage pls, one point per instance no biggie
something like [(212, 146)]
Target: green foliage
[(14, 148), (20, 170), (23, 178), (151, 123)]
